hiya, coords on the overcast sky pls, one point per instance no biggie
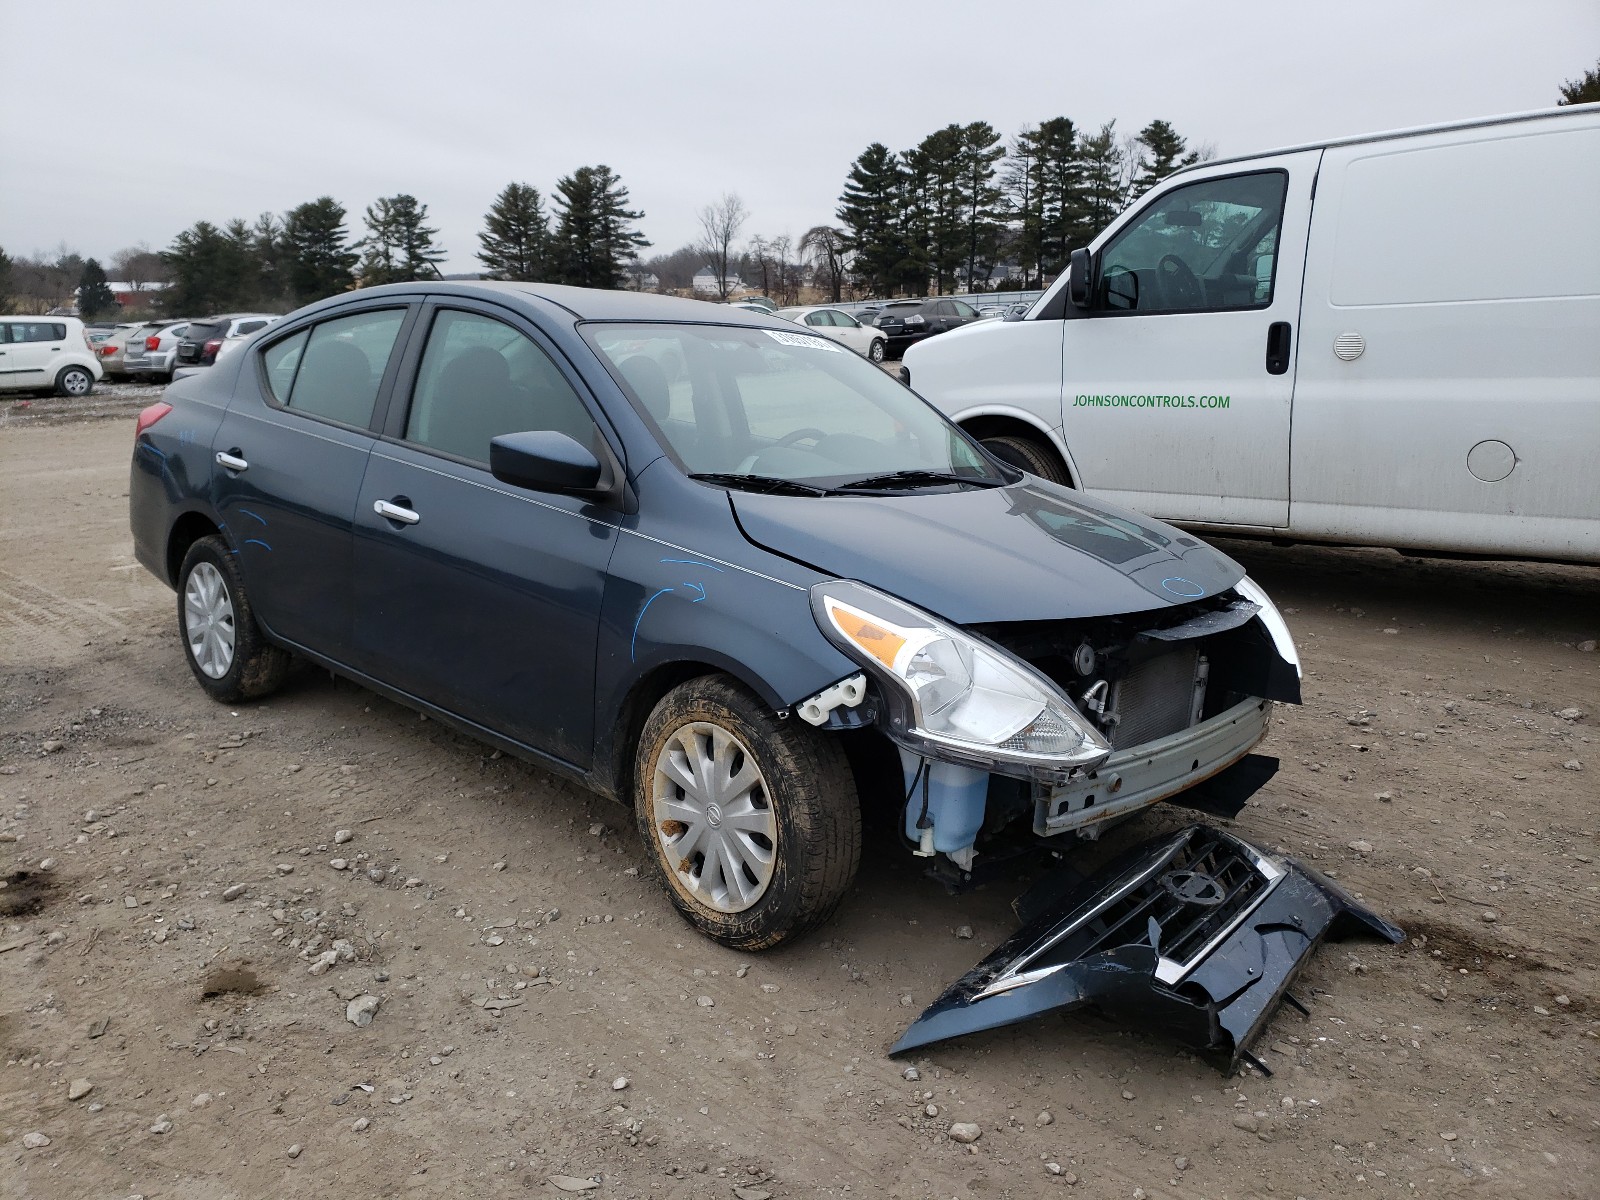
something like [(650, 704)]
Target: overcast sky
[(127, 123)]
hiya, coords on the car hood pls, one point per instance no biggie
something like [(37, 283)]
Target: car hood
[(1029, 552)]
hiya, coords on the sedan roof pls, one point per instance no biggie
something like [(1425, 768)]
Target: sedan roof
[(591, 304)]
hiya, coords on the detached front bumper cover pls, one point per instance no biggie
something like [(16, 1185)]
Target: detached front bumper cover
[(1198, 934)]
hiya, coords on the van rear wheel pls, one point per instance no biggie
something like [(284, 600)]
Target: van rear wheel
[(1030, 455)]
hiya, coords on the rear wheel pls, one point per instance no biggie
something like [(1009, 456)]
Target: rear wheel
[(752, 822), (230, 657), (1030, 455), (74, 381)]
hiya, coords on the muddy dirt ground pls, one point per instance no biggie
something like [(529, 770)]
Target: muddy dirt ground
[(545, 1014)]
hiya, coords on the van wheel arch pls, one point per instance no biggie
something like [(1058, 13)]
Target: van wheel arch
[(1021, 445)]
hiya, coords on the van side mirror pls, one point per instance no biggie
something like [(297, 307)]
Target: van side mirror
[(1079, 285), (544, 461)]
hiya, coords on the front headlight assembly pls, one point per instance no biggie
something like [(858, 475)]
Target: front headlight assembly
[(953, 696)]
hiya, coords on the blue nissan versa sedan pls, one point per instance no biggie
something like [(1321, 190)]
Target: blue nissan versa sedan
[(711, 565)]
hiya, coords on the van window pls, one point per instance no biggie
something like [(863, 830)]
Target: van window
[(1206, 247), (1511, 217)]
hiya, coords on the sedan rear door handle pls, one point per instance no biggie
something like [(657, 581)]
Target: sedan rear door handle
[(394, 512), (232, 461)]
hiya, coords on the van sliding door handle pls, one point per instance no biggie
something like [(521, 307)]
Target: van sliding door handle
[(1278, 342)]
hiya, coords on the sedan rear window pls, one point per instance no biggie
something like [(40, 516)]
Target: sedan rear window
[(334, 370)]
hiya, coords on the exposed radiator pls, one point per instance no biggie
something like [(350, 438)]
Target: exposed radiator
[(1159, 696)]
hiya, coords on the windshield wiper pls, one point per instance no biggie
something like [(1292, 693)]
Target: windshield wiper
[(759, 483), (915, 478)]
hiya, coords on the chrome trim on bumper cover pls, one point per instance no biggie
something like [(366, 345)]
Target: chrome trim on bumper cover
[(1197, 934), (1143, 775)]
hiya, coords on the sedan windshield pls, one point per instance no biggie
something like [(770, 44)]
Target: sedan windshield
[(767, 404)]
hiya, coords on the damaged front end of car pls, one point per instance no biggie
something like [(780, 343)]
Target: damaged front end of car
[(1198, 935), (1024, 733)]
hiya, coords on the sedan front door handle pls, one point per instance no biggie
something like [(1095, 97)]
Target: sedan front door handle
[(232, 461), (394, 512)]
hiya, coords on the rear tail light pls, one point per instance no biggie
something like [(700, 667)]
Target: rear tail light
[(107, 350), (152, 343), (213, 346), (149, 417)]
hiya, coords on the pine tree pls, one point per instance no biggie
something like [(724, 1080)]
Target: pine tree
[(935, 169), (1057, 184), (398, 246), (1101, 193), (315, 252), (1583, 90), (198, 260), (595, 234), (5, 281), (94, 297), (1161, 152), (980, 198), (870, 210), (516, 237)]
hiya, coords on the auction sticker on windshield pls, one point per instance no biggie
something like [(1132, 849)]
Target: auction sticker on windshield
[(806, 340)]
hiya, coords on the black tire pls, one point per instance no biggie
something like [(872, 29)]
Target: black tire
[(255, 667), (74, 381), (877, 350), (808, 793), (1030, 455)]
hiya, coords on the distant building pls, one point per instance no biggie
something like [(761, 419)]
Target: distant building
[(640, 280), (705, 282), (135, 295)]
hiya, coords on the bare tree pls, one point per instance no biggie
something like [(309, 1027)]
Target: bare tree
[(140, 266), (720, 224), (824, 246)]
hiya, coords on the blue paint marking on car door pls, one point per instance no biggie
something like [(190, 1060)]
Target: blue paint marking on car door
[(286, 475)]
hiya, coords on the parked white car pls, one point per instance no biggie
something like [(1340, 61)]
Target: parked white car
[(841, 327), (1319, 344), (54, 353)]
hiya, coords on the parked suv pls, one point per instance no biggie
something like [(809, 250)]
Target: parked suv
[(199, 345), (155, 356), (905, 322), (47, 353)]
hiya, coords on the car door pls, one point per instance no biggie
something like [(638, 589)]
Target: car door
[(1180, 375), (477, 596), (289, 457)]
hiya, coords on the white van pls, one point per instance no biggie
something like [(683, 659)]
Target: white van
[(1390, 340)]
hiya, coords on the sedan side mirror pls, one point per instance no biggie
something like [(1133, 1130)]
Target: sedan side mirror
[(544, 461), (1079, 285)]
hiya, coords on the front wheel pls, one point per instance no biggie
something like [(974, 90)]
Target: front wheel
[(752, 821), (877, 350), (74, 381), (230, 657), (1030, 455)]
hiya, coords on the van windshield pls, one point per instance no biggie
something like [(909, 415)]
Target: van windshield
[(781, 405)]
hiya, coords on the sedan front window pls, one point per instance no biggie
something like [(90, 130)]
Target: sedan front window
[(780, 405)]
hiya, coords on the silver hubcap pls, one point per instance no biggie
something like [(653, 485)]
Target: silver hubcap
[(208, 620), (713, 818), (76, 383)]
